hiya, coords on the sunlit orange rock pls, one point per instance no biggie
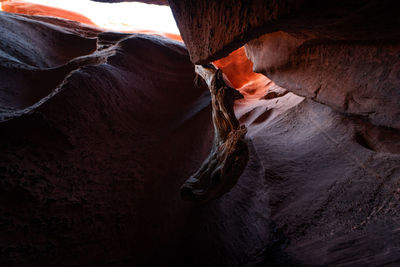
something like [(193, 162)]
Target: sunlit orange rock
[(237, 67), (22, 7), (239, 71)]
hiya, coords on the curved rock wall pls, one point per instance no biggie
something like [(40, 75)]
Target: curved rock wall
[(344, 55), (96, 141), (331, 159), (91, 165), (355, 77)]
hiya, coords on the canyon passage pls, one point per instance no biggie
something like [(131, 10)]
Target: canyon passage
[(102, 133)]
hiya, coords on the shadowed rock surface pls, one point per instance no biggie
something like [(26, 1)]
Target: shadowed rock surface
[(332, 170), (212, 29), (332, 183), (90, 174)]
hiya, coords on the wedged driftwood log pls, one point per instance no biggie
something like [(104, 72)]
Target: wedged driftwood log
[(229, 154)]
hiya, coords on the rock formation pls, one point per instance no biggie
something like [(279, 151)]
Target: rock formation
[(96, 140), (356, 42), (331, 160), (100, 129)]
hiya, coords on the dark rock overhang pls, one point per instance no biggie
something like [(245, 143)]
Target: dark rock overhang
[(212, 29)]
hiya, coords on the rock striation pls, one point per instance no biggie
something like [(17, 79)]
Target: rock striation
[(96, 138), (358, 78), (327, 131), (344, 55)]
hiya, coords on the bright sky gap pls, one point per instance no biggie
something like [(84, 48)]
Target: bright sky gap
[(127, 16)]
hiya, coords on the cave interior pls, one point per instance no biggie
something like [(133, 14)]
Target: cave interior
[(264, 133)]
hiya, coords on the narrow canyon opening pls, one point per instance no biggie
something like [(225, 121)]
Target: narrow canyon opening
[(107, 125), (229, 153)]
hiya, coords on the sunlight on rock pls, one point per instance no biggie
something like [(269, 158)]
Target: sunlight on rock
[(117, 16)]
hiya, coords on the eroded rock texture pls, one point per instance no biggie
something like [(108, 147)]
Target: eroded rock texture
[(359, 78), (212, 29), (331, 160), (343, 54), (98, 132), (97, 136)]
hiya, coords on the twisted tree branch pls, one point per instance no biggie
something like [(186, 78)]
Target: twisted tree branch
[(229, 154)]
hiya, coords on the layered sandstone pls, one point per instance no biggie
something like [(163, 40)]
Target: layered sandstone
[(331, 159), (98, 135), (96, 138)]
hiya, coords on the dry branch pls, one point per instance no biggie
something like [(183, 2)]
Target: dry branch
[(229, 154)]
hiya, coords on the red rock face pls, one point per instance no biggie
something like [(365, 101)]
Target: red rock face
[(27, 8), (22, 7), (238, 69)]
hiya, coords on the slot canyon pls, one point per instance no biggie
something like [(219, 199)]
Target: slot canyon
[(266, 133)]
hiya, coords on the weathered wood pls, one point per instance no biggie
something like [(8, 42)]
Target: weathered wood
[(229, 154)]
